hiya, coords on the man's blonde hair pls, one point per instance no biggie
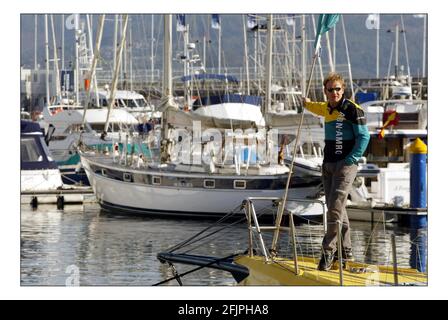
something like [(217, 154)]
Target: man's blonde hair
[(333, 76)]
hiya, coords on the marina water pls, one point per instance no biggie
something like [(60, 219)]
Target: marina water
[(83, 245)]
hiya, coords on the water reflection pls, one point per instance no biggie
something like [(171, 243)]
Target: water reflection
[(121, 251)]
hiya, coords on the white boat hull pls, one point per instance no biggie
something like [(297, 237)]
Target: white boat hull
[(162, 200), (40, 180)]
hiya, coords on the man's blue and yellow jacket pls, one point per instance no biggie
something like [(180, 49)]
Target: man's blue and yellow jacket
[(346, 133)]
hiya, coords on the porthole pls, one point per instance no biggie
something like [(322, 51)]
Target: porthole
[(209, 184), (239, 184)]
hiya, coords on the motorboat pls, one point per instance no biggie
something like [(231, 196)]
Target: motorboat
[(38, 170)]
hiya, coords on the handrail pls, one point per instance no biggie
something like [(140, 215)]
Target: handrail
[(251, 216)]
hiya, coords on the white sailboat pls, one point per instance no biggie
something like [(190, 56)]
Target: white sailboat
[(213, 184)]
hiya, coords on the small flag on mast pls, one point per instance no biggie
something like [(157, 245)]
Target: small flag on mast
[(72, 22), (181, 25), (251, 22), (290, 20), (391, 120), (373, 21), (216, 23), (326, 22)]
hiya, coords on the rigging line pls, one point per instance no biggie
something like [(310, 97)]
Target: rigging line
[(370, 238), (184, 243), (215, 232), (178, 276)]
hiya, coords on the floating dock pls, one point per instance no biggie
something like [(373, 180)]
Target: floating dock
[(59, 197)]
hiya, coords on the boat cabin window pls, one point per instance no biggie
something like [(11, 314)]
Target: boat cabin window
[(239, 184), (156, 180), (209, 184), (99, 127), (129, 103), (140, 102), (29, 150)]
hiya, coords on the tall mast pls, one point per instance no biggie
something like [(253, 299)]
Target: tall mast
[(424, 47), (115, 39), (303, 84), (186, 66), (35, 42), (246, 56), (130, 59), (167, 85), (378, 49), (268, 74), (406, 50), (95, 58), (77, 33), (92, 77), (167, 49), (47, 64), (152, 49), (219, 49), (62, 43), (348, 56), (116, 72), (396, 51), (55, 61)]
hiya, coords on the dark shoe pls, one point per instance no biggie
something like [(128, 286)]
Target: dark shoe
[(326, 261), (347, 255)]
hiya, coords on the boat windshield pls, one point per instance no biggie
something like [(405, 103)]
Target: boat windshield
[(29, 150)]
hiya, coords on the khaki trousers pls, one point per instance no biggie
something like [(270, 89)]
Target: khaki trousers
[(337, 180)]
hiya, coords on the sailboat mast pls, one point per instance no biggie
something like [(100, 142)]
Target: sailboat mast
[(219, 49), (268, 74), (303, 36), (62, 43), (406, 50), (115, 39), (35, 42), (92, 76), (246, 56), (378, 50), (130, 59), (424, 47), (396, 51), (167, 85), (76, 72), (348, 56), (152, 49), (55, 60), (167, 49), (116, 72), (47, 64), (95, 58)]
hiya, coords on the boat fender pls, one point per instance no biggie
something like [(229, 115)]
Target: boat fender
[(60, 203), (34, 202)]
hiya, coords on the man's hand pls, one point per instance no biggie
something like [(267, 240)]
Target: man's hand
[(304, 100)]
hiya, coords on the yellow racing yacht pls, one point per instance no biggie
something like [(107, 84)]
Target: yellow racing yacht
[(275, 256)]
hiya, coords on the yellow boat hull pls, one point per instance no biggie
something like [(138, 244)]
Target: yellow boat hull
[(282, 272)]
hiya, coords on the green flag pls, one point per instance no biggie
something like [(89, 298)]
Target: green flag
[(326, 22)]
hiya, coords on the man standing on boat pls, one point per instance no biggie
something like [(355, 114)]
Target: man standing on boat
[(346, 139)]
